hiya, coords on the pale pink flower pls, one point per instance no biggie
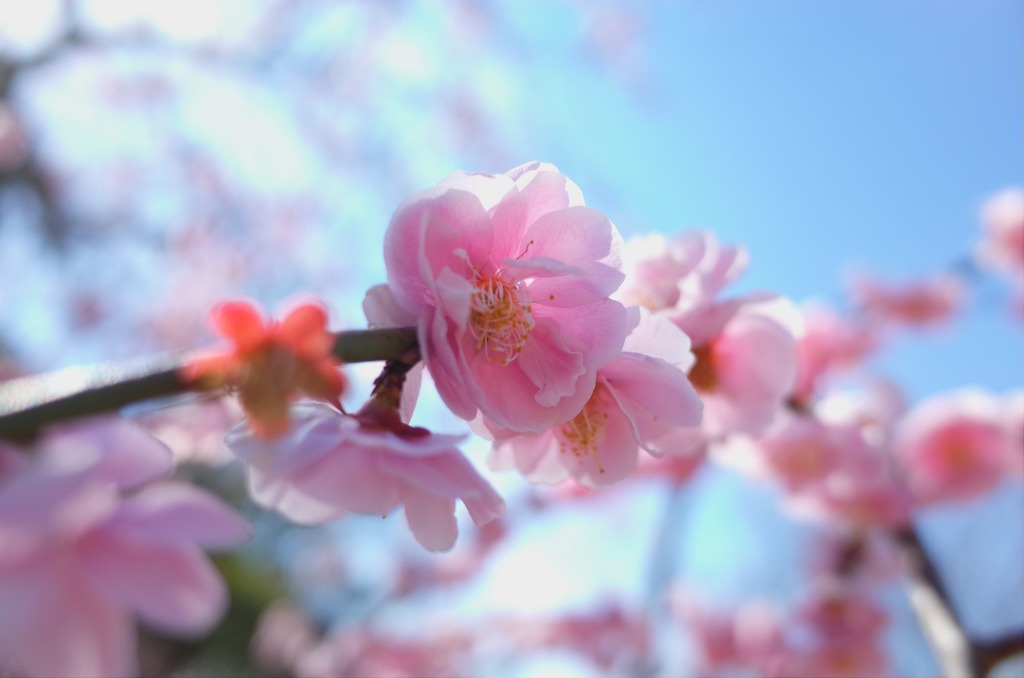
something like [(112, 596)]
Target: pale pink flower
[(640, 397), (358, 652), (283, 636), (800, 451), (330, 464), (748, 638), (829, 343), (861, 495), (11, 459), (194, 430), (838, 610), (875, 408), (860, 491), (1002, 241), (837, 658), (744, 370), (954, 446), (80, 560), (923, 303), (745, 349), (509, 277), (658, 268)]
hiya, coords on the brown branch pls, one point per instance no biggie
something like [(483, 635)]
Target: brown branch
[(988, 654), (31, 403), (959, 655)]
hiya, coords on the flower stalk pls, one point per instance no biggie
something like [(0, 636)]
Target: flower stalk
[(29, 404)]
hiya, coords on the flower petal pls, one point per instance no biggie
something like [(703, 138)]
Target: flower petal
[(241, 322), (173, 587), (179, 512)]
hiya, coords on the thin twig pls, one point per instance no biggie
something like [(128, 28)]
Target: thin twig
[(31, 403)]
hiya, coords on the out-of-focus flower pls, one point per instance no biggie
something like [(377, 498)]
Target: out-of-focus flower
[(353, 653), (745, 356), (838, 610), (1002, 240), (640, 397), (829, 343), (80, 559), (283, 636), (271, 363), (749, 638), (330, 464), (837, 658), (744, 371), (923, 303), (11, 459), (194, 430), (954, 446), (509, 277), (800, 451)]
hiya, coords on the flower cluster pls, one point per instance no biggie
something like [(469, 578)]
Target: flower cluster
[(91, 540)]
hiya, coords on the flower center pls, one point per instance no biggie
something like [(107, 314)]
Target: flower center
[(500, 318), (703, 375), (583, 433)]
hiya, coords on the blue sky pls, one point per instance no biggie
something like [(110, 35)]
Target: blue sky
[(824, 136)]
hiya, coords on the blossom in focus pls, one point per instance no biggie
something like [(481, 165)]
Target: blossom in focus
[(509, 277), (640, 398), (271, 363), (919, 304), (1002, 240), (329, 464), (81, 559), (954, 446)]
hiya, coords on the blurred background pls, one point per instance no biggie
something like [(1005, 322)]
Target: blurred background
[(157, 157)]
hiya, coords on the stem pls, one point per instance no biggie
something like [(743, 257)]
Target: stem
[(32, 403), (959, 655)]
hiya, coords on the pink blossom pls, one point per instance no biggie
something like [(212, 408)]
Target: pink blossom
[(919, 304), (1002, 241), (837, 658), (330, 464), (283, 636), (744, 371), (640, 397), (270, 363), (657, 268), (745, 347), (829, 343), (838, 610), (80, 560), (748, 638), (194, 430), (860, 490), (801, 451), (508, 277), (953, 446)]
